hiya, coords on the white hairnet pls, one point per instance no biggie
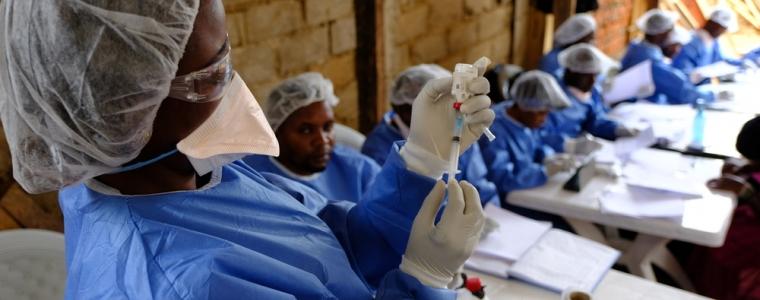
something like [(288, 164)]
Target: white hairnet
[(725, 17), (679, 35), (537, 90), (656, 21), (585, 58), (297, 92), (81, 81), (575, 28), (410, 82)]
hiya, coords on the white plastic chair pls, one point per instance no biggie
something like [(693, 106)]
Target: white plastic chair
[(32, 264), (349, 137)]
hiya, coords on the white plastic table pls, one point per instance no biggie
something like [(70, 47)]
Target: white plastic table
[(705, 221), (744, 90), (616, 285)]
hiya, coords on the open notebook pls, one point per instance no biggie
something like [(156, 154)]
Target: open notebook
[(556, 260)]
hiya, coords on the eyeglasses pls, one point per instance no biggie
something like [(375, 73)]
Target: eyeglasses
[(207, 84)]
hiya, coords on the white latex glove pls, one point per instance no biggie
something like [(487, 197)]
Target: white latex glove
[(724, 96), (625, 131), (436, 252), (559, 163), (427, 148), (582, 145)]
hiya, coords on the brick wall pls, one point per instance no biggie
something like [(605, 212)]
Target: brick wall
[(275, 39), (613, 19), (445, 32)]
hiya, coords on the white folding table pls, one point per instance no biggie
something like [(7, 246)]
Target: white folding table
[(705, 221)]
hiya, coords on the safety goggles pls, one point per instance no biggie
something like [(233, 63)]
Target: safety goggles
[(207, 84)]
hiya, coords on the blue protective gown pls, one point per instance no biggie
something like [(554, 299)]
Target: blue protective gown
[(347, 176), (578, 118), (246, 235), (473, 168), (697, 54), (515, 158), (550, 63), (671, 85)]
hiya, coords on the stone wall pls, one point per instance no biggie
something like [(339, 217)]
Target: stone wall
[(275, 39), (445, 32)]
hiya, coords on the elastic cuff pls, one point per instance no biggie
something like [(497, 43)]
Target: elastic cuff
[(423, 162), (416, 271)]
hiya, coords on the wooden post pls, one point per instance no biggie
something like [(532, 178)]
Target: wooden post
[(563, 10), (370, 62), (529, 25)]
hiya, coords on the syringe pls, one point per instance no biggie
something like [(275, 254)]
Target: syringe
[(463, 75)]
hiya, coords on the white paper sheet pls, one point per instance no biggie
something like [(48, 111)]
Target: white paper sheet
[(631, 84), (642, 203), (489, 265), (624, 147), (663, 171), (717, 69), (561, 260), (515, 235)]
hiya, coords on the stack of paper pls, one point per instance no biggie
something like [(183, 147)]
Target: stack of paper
[(624, 147), (642, 203), (663, 171), (530, 251), (717, 69), (635, 82)]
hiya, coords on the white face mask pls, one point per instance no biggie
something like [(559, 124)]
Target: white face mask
[(235, 129)]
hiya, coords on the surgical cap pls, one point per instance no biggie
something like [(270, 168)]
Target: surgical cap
[(585, 58), (81, 82), (656, 21), (679, 35), (410, 82), (725, 17), (575, 28), (295, 93), (537, 90)]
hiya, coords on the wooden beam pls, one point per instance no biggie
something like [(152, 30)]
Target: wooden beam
[(528, 45), (563, 10), (370, 62)]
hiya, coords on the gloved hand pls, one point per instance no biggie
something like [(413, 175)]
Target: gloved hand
[(696, 78), (559, 163), (724, 96), (625, 131), (436, 252), (582, 145), (427, 148)]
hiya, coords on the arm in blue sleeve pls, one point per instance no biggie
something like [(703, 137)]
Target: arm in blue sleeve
[(597, 122), (686, 60), (375, 231), (474, 170), (676, 87), (550, 136), (509, 170), (399, 285)]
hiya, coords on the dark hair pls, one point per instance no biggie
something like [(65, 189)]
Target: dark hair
[(492, 76), (748, 141)]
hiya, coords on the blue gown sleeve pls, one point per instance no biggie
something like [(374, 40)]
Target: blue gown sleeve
[(375, 231), (509, 170), (686, 59), (597, 122), (474, 170), (675, 86)]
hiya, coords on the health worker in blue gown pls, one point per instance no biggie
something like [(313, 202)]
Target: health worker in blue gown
[(579, 28), (704, 48), (300, 111), (586, 113), (395, 127), (672, 86), (133, 111)]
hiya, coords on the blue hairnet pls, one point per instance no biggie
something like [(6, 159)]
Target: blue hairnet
[(81, 82)]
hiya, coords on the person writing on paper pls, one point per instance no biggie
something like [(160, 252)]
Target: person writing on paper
[(155, 204), (395, 127), (582, 63), (733, 270), (518, 158), (671, 85), (704, 48), (577, 29), (299, 110)]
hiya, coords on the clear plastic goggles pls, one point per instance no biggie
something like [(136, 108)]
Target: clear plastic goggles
[(207, 84)]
